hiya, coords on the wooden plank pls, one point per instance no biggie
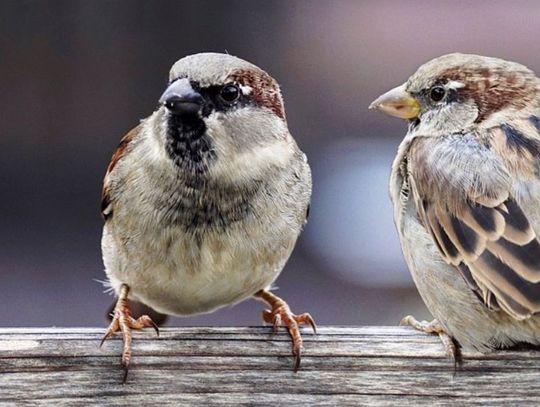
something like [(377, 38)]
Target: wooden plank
[(250, 366)]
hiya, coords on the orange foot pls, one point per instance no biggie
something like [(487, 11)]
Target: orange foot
[(281, 315), (123, 321)]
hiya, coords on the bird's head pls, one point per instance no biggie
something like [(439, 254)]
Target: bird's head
[(456, 91), (221, 114)]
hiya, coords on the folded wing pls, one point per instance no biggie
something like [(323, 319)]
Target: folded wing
[(464, 198)]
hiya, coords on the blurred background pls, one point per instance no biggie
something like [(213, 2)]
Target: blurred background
[(76, 75)]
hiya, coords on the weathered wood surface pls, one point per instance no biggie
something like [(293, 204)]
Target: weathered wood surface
[(386, 366)]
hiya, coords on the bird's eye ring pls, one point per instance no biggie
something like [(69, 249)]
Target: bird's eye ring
[(230, 93), (437, 93)]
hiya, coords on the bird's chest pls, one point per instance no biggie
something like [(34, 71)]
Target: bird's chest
[(187, 252), (180, 273)]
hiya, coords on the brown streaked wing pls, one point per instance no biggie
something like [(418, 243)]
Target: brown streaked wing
[(497, 266), (119, 152), (483, 231)]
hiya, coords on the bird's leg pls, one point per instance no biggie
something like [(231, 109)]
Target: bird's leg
[(123, 321), (280, 315), (435, 327)]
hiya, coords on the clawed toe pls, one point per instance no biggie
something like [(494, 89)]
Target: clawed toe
[(306, 319), (297, 353), (281, 315), (434, 327), (123, 322)]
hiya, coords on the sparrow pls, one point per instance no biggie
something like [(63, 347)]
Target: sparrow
[(204, 200), (465, 186)]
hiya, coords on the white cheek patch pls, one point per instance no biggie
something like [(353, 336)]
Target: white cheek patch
[(278, 153), (255, 162)]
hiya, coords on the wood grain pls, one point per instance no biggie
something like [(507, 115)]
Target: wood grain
[(341, 366)]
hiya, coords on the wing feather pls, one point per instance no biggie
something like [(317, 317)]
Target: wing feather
[(476, 223), (119, 153)]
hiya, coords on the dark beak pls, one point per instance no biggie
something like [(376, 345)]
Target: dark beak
[(180, 98)]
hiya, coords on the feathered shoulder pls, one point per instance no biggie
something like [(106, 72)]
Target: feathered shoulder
[(119, 153)]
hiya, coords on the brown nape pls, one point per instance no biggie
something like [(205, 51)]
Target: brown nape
[(265, 91), (493, 89)]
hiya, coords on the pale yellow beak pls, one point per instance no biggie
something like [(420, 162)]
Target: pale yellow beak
[(397, 102)]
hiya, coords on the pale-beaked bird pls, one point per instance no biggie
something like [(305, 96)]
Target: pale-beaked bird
[(465, 186)]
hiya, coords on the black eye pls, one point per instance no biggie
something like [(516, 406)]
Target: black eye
[(437, 93), (230, 93)]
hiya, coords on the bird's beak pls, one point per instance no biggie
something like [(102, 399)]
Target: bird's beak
[(181, 98), (397, 102)]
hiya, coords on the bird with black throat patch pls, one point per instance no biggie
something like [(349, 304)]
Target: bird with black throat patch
[(204, 200), (465, 186)]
